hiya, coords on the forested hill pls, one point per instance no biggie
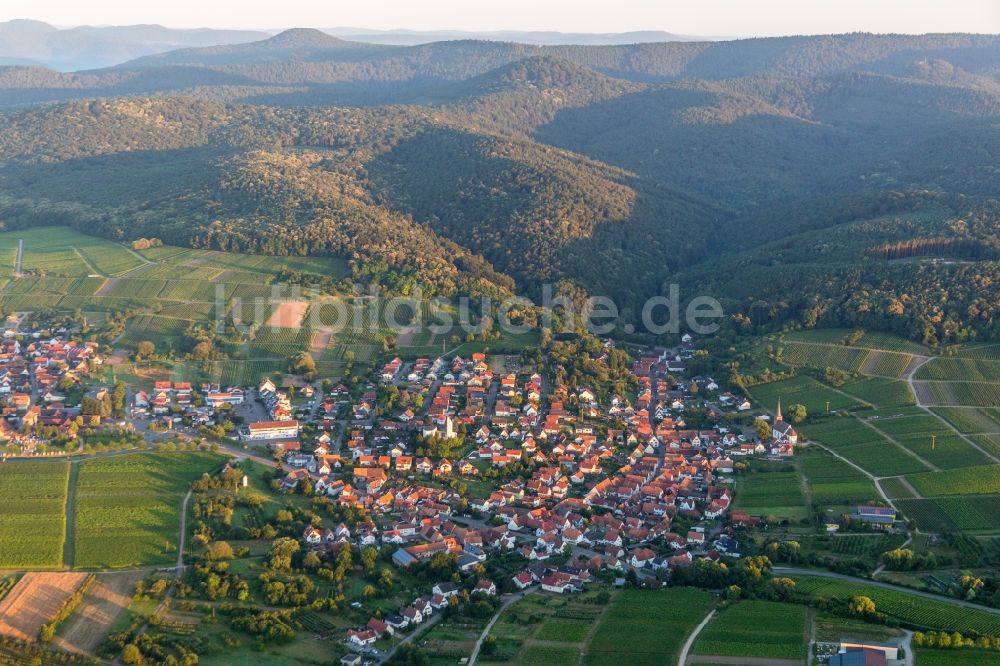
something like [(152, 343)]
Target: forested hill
[(788, 175)]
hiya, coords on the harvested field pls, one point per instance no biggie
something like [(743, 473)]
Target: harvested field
[(35, 600), (288, 314), (104, 601), (320, 341)]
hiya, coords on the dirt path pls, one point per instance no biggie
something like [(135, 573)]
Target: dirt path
[(689, 643), (69, 543), (20, 254), (180, 541)]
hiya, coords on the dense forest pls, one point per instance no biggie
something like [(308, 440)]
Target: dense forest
[(848, 180)]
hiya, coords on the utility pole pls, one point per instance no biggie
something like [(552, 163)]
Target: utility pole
[(933, 441), (827, 406)]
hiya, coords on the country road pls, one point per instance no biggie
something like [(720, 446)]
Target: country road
[(689, 643)]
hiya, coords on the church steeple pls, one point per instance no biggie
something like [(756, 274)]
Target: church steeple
[(777, 415)]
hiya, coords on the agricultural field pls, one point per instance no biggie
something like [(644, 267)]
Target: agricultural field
[(562, 631), (803, 390), (984, 480), (988, 352), (990, 443), (162, 331), (963, 369), (105, 600), (880, 392), (971, 419), (33, 519), (957, 657), (896, 488), (831, 628), (961, 393), (949, 514), (452, 639), (886, 364), (776, 494), (870, 340), (898, 605), (862, 445), (812, 355), (115, 277), (762, 629), (35, 600), (128, 507), (832, 482), (869, 546), (656, 624), (550, 654), (931, 439), (540, 620)]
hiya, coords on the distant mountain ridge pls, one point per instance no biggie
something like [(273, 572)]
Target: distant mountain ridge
[(29, 42), (89, 47)]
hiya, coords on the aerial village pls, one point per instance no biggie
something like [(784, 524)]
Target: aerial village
[(37, 375), (472, 457), (475, 457)]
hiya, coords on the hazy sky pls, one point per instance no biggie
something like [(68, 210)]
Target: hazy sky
[(698, 17)]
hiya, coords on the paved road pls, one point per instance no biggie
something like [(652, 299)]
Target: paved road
[(895, 588), (437, 617), (689, 643), (482, 637)]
